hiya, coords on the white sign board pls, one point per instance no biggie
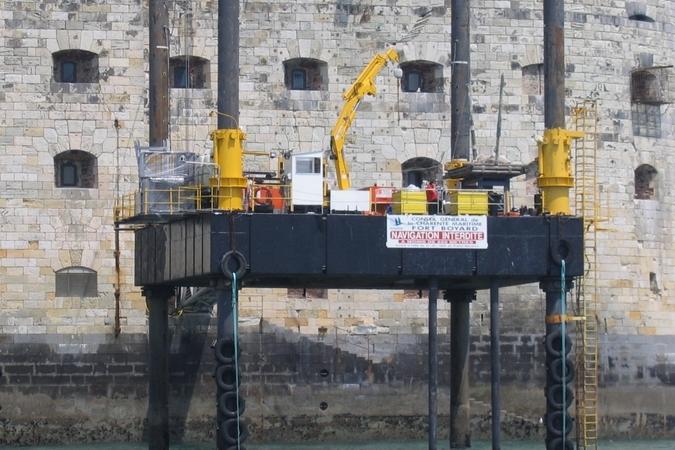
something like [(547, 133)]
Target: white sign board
[(469, 232)]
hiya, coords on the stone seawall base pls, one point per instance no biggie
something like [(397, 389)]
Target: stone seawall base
[(92, 388)]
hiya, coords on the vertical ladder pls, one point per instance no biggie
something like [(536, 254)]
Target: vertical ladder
[(587, 205)]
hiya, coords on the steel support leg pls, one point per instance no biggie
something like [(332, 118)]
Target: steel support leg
[(460, 108), (554, 64), (495, 367), (559, 369), (460, 411), (433, 363), (157, 300)]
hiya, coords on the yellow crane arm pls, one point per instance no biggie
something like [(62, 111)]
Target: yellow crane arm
[(362, 86)]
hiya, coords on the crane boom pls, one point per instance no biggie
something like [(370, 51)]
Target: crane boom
[(362, 86)]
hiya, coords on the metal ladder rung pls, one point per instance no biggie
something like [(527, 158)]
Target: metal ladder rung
[(586, 205)]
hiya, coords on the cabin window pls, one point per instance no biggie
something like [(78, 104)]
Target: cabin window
[(307, 165)]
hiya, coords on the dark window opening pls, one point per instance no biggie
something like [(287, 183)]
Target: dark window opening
[(75, 66), (75, 169), (417, 170), (641, 18), (307, 293), (653, 283), (189, 72), (645, 182), (76, 282), (410, 294), (533, 79), (316, 293), (422, 76), (306, 74), (643, 85), (650, 85), (637, 10), (646, 120)]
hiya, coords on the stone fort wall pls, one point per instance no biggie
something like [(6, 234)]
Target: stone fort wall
[(45, 228)]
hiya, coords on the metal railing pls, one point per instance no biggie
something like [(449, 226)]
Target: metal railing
[(149, 203)]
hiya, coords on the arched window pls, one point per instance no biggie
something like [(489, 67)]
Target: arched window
[(645, 182), (638, 11), (76, 281), (422, 76), (650, 85), (417, 170), (306, 74), (533, 79), (75, 169), (641, 18), (75, 66), (189, 72)]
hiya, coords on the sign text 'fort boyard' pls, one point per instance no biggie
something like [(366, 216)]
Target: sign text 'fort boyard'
[(437, 232)]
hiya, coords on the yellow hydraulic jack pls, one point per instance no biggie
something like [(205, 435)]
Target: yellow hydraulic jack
[(555, 170), (230, 184), (452, 184)]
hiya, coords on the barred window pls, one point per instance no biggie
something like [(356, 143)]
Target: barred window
[(646, 120), (76, 281)]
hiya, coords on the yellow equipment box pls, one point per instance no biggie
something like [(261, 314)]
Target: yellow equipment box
[(409, 202), (467, 202)]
